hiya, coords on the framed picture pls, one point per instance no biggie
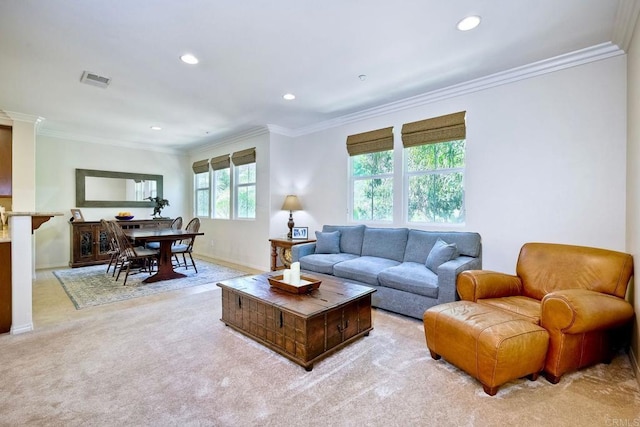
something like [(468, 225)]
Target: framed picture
[(299, 232), (76, 215)]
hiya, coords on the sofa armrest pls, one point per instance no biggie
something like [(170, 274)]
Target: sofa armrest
[(303, 249), (447, 273), (473, 285), (575, 311)]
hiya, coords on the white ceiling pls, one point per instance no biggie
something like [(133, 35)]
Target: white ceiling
[(253, 51)]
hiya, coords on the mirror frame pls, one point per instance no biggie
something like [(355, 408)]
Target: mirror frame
[(82, 202)]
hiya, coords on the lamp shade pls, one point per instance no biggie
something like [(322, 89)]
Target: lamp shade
[(291, 203)]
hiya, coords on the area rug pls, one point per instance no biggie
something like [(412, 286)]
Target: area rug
[(91, 286)]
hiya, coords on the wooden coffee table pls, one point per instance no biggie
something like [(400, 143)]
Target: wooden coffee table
[(303, 328)]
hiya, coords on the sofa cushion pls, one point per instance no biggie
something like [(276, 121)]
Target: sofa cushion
[(323, 263), (363, 269), (350, 237), (387, 243), (411, 277), (328, 242), (519, 305), (419, 243), (441, 253)]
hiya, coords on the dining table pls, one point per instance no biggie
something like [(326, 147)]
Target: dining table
[(166, 237)]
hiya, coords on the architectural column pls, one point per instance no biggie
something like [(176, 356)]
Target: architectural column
[(21, 274), (23, 199)]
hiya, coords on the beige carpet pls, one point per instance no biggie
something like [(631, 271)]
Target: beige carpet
[(171, 361)]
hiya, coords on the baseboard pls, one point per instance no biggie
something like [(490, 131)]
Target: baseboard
[(21, 329), (634, 365), (230, 263)]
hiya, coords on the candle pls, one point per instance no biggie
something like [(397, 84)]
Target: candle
[(295, 273), (286, 276)]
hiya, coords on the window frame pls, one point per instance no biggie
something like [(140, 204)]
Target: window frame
[(436, 171), (236, 185), (214, 194), (197, 190), (352, 182)]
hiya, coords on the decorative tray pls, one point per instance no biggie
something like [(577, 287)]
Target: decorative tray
[(124, 218), (307, 284)]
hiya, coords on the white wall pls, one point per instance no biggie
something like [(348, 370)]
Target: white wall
[(545, 162), (56, 162), (244, 241), (633, 182)]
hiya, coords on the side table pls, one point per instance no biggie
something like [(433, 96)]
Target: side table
[(281, 251)]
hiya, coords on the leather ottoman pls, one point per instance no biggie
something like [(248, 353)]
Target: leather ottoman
[(492, 346)]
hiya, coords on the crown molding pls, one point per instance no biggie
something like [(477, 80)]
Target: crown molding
[(561, 62), (21, 117), (90, 139), (230, 140), (625, 22), (280, 130)]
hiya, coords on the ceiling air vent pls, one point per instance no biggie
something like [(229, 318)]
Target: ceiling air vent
[(94, 79)]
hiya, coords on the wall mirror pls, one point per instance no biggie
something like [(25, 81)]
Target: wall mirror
[(100, 189)]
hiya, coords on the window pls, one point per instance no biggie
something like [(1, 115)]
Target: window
[(372, 184), (221, 166), (371, 175), (202, 194), (221, 194), (435, 182), (246, 191), (434, 155), (233, 189), (201, 184), (244, 183)]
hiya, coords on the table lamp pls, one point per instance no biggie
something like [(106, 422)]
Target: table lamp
[(291, 203)]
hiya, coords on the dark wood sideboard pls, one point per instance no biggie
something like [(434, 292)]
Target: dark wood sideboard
[(5, 287), (89, 242)]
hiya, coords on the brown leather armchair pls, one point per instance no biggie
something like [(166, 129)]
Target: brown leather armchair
[(576, 293)]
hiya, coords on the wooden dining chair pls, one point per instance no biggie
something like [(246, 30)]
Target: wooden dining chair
[(176, 224), (114, 247), (139, 258), (185, 246)]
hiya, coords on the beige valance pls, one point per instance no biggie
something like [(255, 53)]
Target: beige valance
[(201, 166), (370, 142), (221, 162), (438, 129), (244, 157)]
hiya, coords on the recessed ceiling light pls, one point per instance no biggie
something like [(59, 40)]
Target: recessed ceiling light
[(362, 77), (188, 58), (156, 128), (289, 96), (469, 23)]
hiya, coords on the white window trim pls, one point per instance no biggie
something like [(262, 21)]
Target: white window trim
[(195, 195), (350, 194), (405, 191), (236, 193), (214, 186)]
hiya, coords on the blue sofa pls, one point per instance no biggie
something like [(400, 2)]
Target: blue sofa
[(411, 270)]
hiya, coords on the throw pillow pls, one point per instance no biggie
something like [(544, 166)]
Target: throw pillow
[(441, 253), (328, 242)]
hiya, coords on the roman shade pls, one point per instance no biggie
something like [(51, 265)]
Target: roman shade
[(201, 166), (438, 129), (370, 142), (244, 157), (220, 162)]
